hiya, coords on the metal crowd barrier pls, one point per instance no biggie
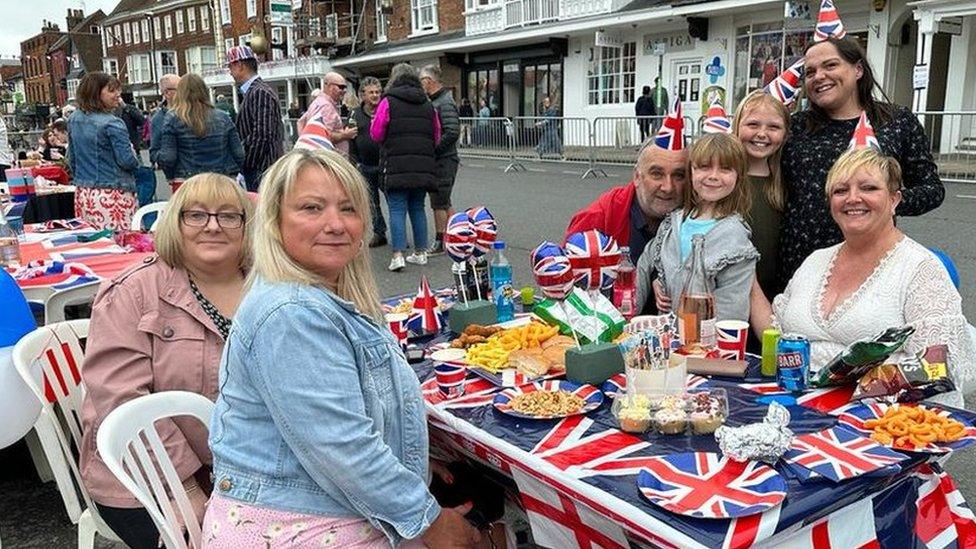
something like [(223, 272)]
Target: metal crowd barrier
[(952, 138)]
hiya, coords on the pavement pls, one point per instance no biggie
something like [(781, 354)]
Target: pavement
[(530, 206)]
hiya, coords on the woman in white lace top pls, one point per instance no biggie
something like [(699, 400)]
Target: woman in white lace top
[(875, 279)]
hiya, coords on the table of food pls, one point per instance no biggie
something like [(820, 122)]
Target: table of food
[(620, 430)]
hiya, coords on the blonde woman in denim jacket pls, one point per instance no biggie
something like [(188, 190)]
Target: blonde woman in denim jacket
[(101, 157), (319, 436)]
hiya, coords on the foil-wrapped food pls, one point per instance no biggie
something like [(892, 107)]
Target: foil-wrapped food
[(766, 441)]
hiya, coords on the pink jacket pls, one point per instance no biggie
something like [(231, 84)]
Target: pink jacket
[(148, 333)]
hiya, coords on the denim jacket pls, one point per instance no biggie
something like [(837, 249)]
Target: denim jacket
[(101, 154), (320, 413), (182, 154)]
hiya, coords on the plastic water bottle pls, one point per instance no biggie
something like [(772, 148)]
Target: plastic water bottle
[(501, 280), (9, 246), (624, 287)]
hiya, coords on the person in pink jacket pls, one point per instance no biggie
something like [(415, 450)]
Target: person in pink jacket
[(161, 326)]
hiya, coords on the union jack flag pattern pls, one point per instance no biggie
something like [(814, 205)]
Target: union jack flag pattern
[(56, 274), (786, 86), (671, 135), (425, 318), (716, 119), (708, 485), (486, 228), (315, 136), (864, 135), (943, 519), (594, 257), (460, 237), (840, 453), (552, 269), (829, 24)]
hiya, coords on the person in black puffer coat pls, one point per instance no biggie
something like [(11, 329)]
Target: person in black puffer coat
[(408, 129)]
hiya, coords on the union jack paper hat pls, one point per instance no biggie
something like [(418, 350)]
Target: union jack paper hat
[(786, 86), (240, 53), (864, 135), (425, 318), (671, 135), (828, 23), (716, 119), (315, 136)]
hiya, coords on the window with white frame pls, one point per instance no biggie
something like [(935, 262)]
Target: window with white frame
[(168, 25), (201, 58), (277, 37), (73, 88), (242, 39), (109, 38), (157, 28), (314, 26), (191, 20), (118, 34), (178, 14), (380, 22), (423, 16), (126, 34), (139, 69), (252, 8), (135, 33), (474, 4), (611, 74), (332, 26), (111, 66), (144, 24), (228, 44), (225, 12), (204, 18), (167, 62)]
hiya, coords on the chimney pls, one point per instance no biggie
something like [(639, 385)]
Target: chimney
[(74, 18)]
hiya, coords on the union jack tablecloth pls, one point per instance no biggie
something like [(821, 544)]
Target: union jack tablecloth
[(577, 478)]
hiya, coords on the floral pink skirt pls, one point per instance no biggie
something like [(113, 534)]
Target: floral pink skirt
[(230, 524), (106, 208)]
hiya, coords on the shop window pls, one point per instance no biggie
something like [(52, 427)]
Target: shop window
[(423, 16), (611, 75), (541, 81), (763, 51), (483, 86)]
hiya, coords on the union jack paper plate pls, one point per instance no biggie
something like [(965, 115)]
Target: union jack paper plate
[(855, 415), (592, 398), (708, 485)]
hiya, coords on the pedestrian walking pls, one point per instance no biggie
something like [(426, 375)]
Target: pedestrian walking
[(407, 128), (445, 152), (365, 154), (644, 109), (259, 122)]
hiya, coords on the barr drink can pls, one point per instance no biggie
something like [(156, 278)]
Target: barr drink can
[(792, 362)]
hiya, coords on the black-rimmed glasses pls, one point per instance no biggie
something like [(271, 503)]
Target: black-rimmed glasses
[(200, 218)]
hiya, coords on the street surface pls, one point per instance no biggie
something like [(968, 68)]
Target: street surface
[(529, 206)]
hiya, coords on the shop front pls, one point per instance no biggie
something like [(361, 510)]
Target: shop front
[(514, 82)]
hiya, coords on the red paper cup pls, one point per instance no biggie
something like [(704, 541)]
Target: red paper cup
[(732, 335), (398, 326), (450, 371)]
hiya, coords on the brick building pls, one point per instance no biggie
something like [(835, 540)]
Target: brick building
[(77, 51), (144, 39), (38, 83)]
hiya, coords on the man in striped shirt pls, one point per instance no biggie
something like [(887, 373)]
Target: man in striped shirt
[(259, 119)]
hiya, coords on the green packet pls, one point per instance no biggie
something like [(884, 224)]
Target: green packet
[(860, 357), (590, 314)]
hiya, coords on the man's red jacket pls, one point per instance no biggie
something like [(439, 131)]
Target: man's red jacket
[(610, 213)]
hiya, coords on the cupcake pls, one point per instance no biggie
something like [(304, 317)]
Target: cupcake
[(672, 402), (706, 414), (634, 419), (670, 421)]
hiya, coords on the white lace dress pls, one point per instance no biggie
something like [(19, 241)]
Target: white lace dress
[(909, 286)]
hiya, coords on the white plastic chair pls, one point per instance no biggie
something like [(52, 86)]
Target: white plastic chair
[(158, 207), (125, 440), (49, 360), (55, 303)]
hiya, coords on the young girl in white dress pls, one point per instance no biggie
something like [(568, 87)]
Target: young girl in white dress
[(714, 205)]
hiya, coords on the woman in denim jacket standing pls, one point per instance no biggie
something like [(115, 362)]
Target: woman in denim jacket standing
[(101, 157), (319, 435), (196, 137)]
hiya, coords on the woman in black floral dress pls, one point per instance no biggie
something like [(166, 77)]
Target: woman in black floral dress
[(840, 84)]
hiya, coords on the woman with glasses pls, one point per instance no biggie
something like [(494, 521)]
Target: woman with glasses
[(161, 326), (196, 137)]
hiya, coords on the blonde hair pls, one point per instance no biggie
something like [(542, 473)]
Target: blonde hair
[(191, 104), (205, 188), (272, 262), (774, 190), (856, 160), (728, 151)]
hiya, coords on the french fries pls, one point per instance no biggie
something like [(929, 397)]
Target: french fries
[(492, 355), (914, 427)]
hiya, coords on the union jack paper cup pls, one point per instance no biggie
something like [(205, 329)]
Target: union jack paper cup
[(450, 371), (398, 325), (732, 335)]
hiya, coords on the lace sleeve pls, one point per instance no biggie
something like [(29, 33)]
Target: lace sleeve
[(934, 308)]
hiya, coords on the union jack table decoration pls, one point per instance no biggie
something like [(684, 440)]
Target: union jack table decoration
[(617, 384), (786, 86), (671, 135), (460, 237), (485, 227), (829, 24), (57, 274), (594, 257), (942, 516), (840, 453), (708, 485), (315, 135), (552, 269), (864, 136), (426, 317)]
